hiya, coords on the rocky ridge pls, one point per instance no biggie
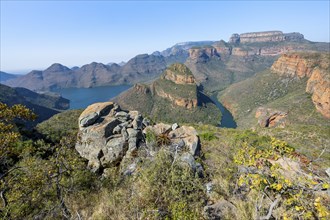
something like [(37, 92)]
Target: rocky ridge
[(111, 137), (210, 61), (266, 36), (316, 68)]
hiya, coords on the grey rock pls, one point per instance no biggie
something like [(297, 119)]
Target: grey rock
[(220, 210), (189, 136), (130, 169), (121, 114), (117, 129), (199, 170), (113, 152), (88, 119), (174, 126), (108, 129), (124, 133), (188, 159), (146, 122), (209, 188), (133, 114), (132, 133), (137, 122)]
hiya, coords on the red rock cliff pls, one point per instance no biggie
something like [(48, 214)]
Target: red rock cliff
[(314, 66)]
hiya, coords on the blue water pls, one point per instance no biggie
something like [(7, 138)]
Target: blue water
[(227, 120), (83, 97)]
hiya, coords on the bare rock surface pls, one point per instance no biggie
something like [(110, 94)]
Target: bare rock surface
[(109, 136)]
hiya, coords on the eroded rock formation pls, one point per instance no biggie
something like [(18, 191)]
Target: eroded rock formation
[(315, 67), (271, 117), (109, 137), (203, 54), (266, 36)]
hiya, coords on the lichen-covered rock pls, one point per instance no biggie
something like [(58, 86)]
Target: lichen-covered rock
[(106, 134), (110, 137)]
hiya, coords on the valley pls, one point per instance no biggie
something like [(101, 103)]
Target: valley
[(201, 130)]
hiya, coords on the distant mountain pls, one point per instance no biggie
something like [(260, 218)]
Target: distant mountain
[(44, 105), (6, 76), (215, 64), (174, 97), (140, 68)]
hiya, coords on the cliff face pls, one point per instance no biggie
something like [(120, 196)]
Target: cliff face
[(266, 36), (292, 65), (203, 54), (313, 66), (172, 97), (178, 85), (319, 86)]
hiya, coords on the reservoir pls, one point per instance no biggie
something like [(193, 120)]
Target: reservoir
[(83, 97)]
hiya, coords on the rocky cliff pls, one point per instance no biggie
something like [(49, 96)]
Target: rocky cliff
[(266, 36), (174, 97), (203, 54), (315, 67)]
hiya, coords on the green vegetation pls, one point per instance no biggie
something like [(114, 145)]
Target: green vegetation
[(49, 180), (176, 90), (60, 125)]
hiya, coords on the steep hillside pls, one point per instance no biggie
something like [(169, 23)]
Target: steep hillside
[(44, 105), (291, 98), (6, 76), (175, 96), (219, 65)]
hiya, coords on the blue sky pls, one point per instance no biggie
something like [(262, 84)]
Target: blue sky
[(35, 34)]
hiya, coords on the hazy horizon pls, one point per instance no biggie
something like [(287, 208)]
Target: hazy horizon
[(36, 34)]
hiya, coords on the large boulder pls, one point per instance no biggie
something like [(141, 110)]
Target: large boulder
[(109, 137), (106, 134)]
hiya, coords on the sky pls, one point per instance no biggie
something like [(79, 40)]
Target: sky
[(36, 34)]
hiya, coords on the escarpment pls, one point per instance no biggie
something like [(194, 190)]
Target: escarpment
[(174, 96), (313, 66), (203, 54), (265, 36)]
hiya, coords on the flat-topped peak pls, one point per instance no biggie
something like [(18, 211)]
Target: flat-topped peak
[(179, 74)]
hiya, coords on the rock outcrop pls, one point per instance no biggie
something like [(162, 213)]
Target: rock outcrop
[(270, 117), (173, 97), (319, 86), (184, 93), (203, 54), (266, 36), (110, 137), (315, 67), (293, 65), (179, 74)]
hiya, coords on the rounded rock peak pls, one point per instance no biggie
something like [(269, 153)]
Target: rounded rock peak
[(180, 69), (179, 74)]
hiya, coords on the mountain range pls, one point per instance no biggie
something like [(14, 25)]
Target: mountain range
[(215, 64)]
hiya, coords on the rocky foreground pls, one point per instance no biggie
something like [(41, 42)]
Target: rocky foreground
[(109, 137)]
